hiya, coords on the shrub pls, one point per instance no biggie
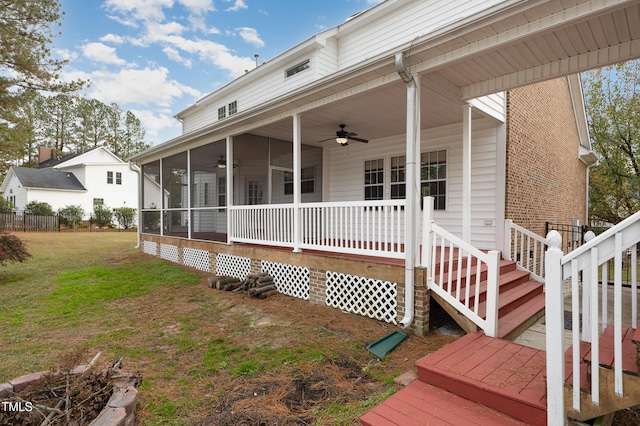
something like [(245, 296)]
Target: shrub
[(6, 206), (101, 215), (12, 249), (71, 215), (125, 216), (40, 208)]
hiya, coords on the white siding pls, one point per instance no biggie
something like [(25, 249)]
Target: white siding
[(346, 174), (14, 188), (402, 25), (492, 105)]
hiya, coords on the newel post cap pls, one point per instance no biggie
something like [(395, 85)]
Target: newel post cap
[(554, 239)]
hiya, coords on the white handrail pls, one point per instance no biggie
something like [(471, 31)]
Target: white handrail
[(590, 259), (526, 248), (446, 249)]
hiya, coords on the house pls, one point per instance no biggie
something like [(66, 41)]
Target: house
[(413, 152), (82, 178)]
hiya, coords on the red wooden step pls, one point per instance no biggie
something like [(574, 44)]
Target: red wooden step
[(636, 335), (513, 298), (423, 404), (507, 281), (497, 373), (516, 319), (606, 352)]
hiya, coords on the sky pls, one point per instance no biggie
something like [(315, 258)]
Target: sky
[(157, 57)]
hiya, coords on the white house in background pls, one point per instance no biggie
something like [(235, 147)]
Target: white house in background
[(81, 178)]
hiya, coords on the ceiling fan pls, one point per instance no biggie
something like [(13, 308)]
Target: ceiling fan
[(343, 137)]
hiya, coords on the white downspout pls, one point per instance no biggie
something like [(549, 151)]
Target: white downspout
[(413, 186), (140, 189)]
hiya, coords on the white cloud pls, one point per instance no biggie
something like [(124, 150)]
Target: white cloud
[(148, 86), (250, 35), (175, 56), (239, 4), (112, 38), (158, 125), (66, 54), (146, 10), (198, 7), (100, 52), (156, 32)]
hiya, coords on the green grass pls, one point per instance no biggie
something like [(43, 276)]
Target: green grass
[(96, 292)]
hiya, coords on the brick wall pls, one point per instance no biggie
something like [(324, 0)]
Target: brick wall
[(546, 181)]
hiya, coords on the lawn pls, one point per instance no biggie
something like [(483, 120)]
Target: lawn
[(206, 356)]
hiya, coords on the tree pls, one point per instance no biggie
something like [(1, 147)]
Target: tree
[(12, 249), (101, 215), (71, 216), (40, 208), (27, 28), (6, 206), (612, 101), (125, 216)]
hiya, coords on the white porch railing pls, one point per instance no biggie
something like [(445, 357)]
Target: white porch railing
[(262, 224), (440, 248), (374, 228), (590, 259), (525, 248)]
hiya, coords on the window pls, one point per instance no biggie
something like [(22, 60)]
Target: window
[(307, 181), (398, 169), (297, 68), (110, 177), (222, 112), (118, 178), (254, 192), (222, 191), (233, 107), (433, 177), (98, 202), (374, 179)]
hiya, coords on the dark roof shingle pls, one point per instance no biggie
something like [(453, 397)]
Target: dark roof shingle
[(47, 178)]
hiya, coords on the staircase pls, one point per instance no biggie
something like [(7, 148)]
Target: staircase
[(520, 299), (476, 380), (479, 380)]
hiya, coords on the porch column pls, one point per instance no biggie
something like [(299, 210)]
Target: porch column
[(466, 172), (189, 217), (297, 136), (229, 184)]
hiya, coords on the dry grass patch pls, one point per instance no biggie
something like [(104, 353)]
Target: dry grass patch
[(207, 357)]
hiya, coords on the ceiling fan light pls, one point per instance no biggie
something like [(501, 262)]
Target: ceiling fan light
[(342, 140), (222, 163)]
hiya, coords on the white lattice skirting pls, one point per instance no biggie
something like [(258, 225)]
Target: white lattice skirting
[(232, 266), (150, 247), (169, 252), (363, 296), (289, 279), (195, 258)]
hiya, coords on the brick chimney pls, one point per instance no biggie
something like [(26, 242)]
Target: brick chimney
[(45, 153)]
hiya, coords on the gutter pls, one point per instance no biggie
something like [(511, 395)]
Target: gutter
[(410, 232)]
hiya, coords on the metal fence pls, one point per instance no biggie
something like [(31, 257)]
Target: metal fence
[(573, 237), (26, 222)]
